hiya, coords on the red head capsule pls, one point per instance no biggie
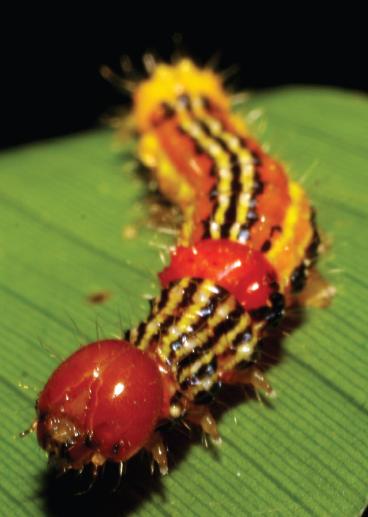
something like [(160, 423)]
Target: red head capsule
[(103, 402), (241, 270)]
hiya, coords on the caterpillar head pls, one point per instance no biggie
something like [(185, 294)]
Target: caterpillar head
[(103, 402)]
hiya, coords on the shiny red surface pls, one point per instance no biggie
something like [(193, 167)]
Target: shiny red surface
[(111, 391), (241, 270)]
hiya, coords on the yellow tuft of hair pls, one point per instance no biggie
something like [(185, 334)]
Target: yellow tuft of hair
[(168, 82)]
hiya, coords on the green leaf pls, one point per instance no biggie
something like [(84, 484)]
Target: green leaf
[(64, 205)]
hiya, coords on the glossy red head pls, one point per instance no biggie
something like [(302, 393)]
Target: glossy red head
[(103, 402)]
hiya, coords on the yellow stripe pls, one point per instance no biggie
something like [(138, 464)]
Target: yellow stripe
[(244, 352), (188, 317), (200, 337), (246, 180), (224, 185), (174, 298), (225, 342), (291, 218), (223, 164), (219, 348), (224, 191)]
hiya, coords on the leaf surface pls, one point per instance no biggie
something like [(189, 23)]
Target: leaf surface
[(64, 207)]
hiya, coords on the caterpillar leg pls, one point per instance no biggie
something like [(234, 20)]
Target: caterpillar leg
[(253, 376), (201, 416), (31, 429), (317, 292), (157, 449)]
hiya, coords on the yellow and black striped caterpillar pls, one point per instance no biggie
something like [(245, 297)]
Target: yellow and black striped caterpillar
[(246, 245)]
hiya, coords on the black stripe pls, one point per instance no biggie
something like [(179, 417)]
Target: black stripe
[(185, 102), (298, 278), (213, 195), (209, 106), (205, 370), (188, 360), (206, 229), (154, 310), (221, 328), (214, 172), (252, 216), (223, 146), (261, 313), (140, 332), (229, 322), (236, 189), (203, 316), (266, 246), (230, 214), (270, 314), (189, 293), (163, 300), (204, 127), (208, 310), (256, 158), (208, 369), (164, 327), (206, 397), (276, 228), (312, 250), (186, 300), (176, 345), (244, 336), (168, 112), (243, 233), (258, 185), (188, 382)]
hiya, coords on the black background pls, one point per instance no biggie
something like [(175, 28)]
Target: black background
[(50, 70)]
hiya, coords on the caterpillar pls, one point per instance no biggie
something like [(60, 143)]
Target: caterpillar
[(247, 244)]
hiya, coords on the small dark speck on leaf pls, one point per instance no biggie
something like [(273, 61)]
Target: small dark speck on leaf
[(99, 297)]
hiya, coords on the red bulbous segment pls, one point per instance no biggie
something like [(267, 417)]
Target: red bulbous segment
[(241, 270), (103, 402)]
